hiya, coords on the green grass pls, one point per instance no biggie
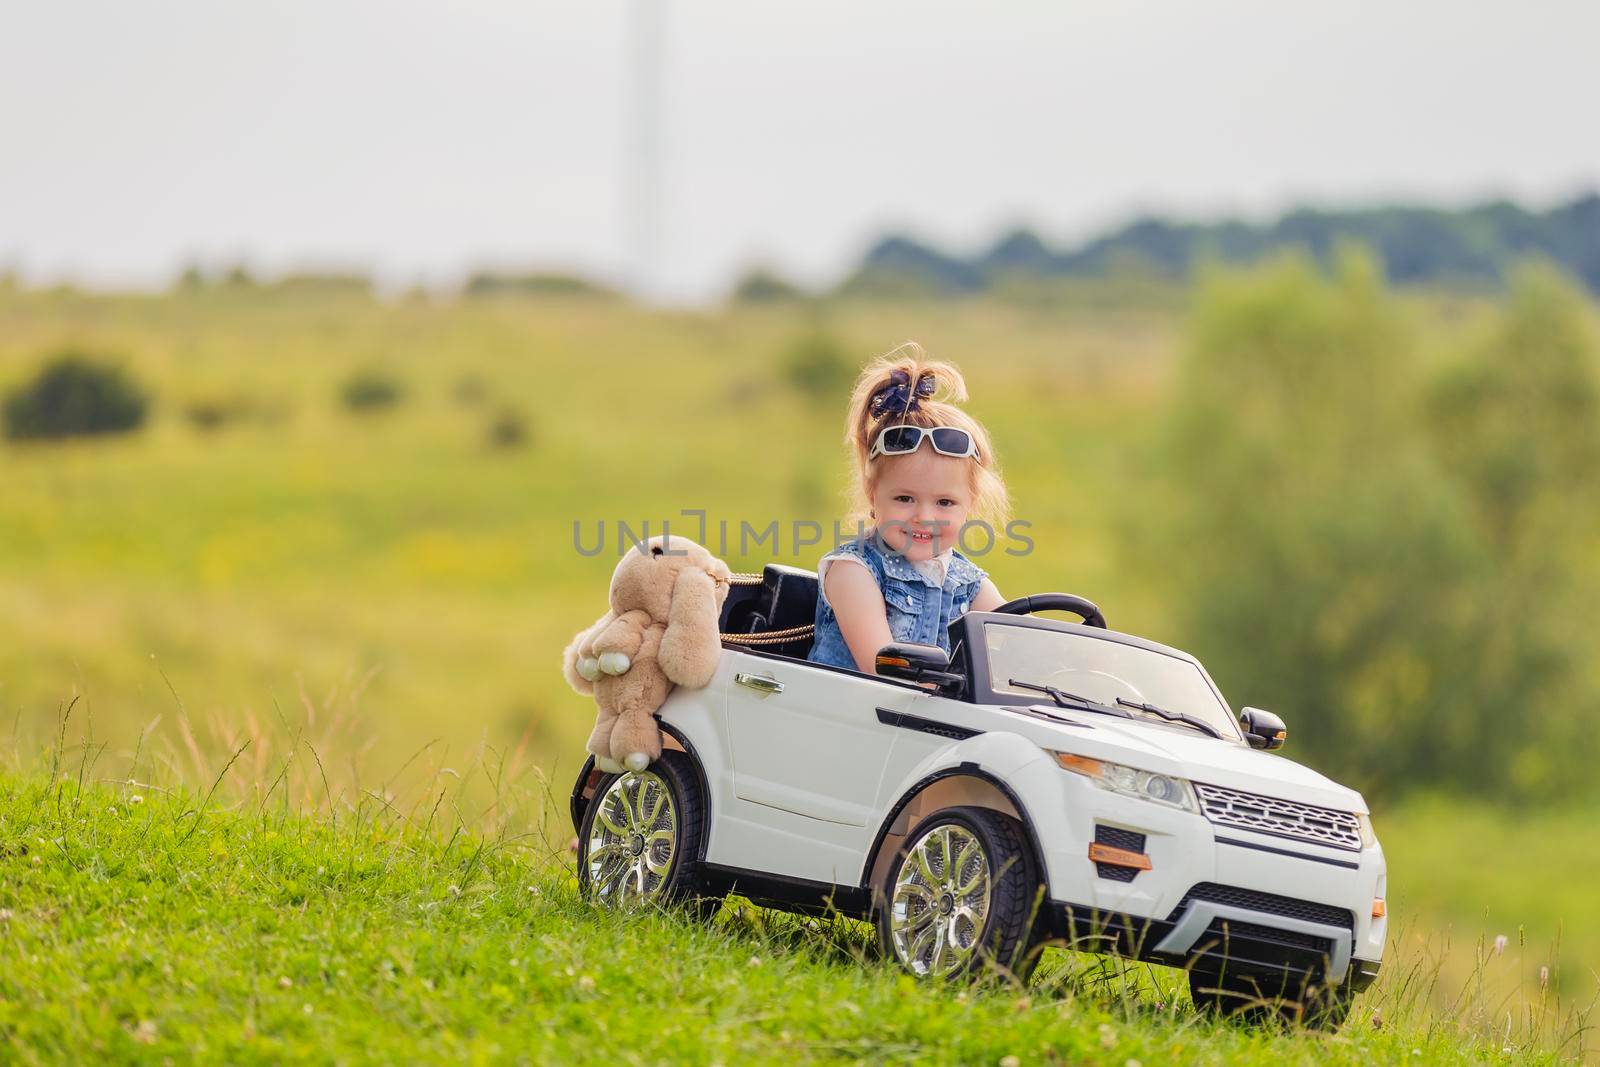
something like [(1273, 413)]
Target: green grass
[(393, 569), (142, 926)]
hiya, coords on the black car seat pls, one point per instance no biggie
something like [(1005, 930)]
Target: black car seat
[(783, 598)]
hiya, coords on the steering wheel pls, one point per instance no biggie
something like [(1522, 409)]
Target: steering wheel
[(1027, 605)]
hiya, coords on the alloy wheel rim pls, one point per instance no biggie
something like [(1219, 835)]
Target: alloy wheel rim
[(632, 840), (940, 901)]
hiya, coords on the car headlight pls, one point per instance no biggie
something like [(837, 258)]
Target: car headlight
[(1368, 837), (1132, 782)]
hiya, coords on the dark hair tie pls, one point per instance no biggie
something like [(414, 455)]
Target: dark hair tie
[(898, 396)]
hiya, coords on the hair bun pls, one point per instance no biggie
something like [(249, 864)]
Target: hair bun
[(897, 395)]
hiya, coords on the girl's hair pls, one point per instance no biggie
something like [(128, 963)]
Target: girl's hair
[(990, 500)]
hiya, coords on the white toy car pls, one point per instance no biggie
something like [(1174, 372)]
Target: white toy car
[(1062, 782)]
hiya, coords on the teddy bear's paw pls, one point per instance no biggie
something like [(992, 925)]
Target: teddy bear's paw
[(637, 761), (609, 765), (588, 668), (615, 662)]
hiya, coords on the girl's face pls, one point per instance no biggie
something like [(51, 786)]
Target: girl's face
[(921, 501)]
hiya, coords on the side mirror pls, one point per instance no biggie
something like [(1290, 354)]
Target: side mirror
[(1263, 729), (918, 663)]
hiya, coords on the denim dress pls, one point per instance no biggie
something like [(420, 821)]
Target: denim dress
[(917, 610)]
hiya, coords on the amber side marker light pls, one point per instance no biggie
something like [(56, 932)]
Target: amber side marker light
[(1118, 857), (1379, 908), (1081, 764), (892, 661)]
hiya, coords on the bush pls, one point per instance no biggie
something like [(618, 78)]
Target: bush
[(75, 395), (509, 429), (368, 391), (762, 285), (534, 284), (209, 413), (818, 365)]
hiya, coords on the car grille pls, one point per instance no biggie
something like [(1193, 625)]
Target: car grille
[(1270, 903), (1222, 930), (1282, 818)]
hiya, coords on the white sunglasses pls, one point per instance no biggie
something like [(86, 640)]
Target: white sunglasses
[(946, 440)]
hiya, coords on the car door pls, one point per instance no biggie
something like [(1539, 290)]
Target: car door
[(806, 739)]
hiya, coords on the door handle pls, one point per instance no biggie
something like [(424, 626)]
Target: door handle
[(759, 682)]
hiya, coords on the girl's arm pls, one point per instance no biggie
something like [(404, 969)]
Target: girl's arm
[(858, 605), (988, 597)]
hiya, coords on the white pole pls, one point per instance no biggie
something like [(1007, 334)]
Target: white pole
[(643, 158)]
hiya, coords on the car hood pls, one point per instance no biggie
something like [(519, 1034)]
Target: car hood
[(1185, 753)]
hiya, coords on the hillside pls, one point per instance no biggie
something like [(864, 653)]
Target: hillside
[(1473, 247), (142, 926)]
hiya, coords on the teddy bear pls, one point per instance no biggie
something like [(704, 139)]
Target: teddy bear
[(666, 600)]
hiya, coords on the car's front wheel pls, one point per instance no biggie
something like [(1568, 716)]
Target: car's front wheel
[(641, 836), (960, 895)]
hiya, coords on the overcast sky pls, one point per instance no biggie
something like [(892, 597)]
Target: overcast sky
[(421, 140)]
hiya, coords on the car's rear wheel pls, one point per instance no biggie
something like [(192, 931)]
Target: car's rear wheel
[(960, 896), (1248, 1000), (641, 836)]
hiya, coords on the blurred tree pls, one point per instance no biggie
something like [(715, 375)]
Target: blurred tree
[(508, 429), (1315, 558), (533, 284), (1475, 247), (1377, 556), (1516, 425), (238, 276), (370, 390), (75, 394), (329, 283), (900, 266), (762, 285), (818, 365), (1518, 420), (192, 279)]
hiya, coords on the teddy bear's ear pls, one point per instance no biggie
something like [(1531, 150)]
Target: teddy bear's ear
[(691, 646)]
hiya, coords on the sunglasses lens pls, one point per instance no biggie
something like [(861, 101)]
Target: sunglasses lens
[(951, 441), (898, 439)]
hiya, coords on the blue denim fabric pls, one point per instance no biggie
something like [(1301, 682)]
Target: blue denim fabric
[(917, 610)]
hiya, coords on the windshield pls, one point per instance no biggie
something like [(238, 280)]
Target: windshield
[(1102, 671)]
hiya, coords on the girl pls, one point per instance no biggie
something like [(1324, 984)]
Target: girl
[(922, 469)]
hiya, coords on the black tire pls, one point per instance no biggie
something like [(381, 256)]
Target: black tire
[(1325, 1007), (630, 876), (1004, 941), (1253, 1002)]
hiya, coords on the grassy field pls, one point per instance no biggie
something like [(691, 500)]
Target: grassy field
[(368, 605), (142, 926), (392, 567)]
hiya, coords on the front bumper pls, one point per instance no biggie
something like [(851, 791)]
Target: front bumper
[(1214, 897), (1258, 945)]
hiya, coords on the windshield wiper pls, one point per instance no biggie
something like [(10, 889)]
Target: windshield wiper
[(1173, 716), (1071, 700)]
